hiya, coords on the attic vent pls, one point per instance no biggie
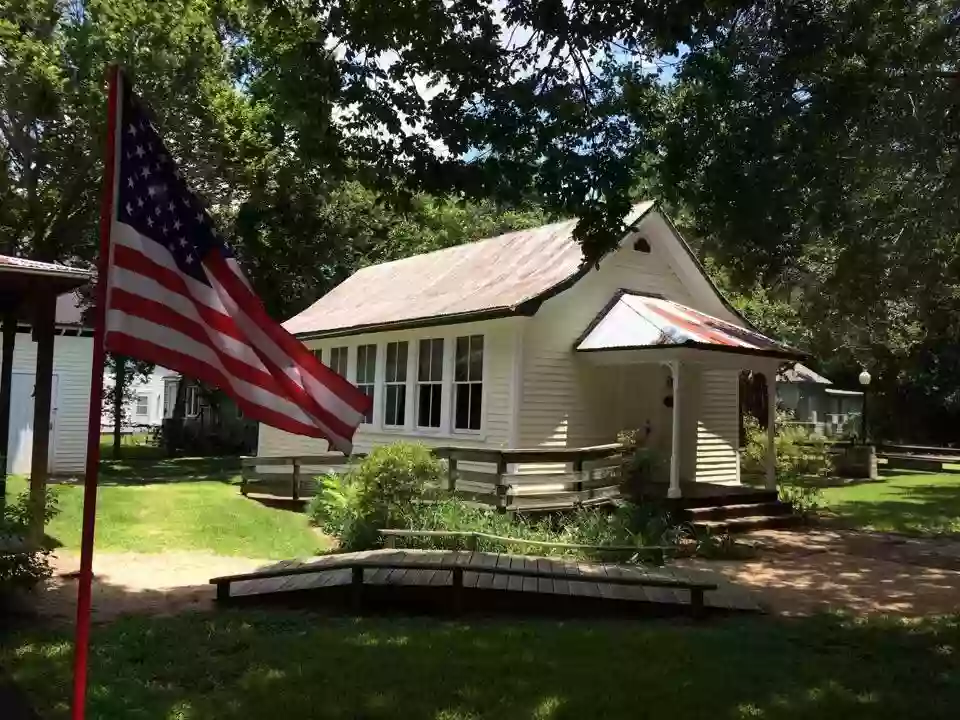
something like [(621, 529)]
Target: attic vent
[(641, 245)]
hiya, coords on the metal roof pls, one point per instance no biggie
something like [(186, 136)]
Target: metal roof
[(487, 278), (35, 267), (634, 321), (800, 373)]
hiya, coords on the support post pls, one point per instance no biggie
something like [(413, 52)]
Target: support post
[(452, 472), (295, 487), (6, 387), (674, 491), (771, 458), (501, 487), (43, 333)]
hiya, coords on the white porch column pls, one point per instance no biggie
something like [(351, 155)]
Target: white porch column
[(771, 465), (674, 490)]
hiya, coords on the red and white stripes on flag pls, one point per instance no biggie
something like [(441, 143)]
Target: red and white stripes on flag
[(176, 297)]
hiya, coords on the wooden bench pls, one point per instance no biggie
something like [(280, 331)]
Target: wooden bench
[(359, 566), (654, 554), (286, 483)]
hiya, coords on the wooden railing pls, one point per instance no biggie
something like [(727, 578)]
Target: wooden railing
[(590, 475), (284, 481), (653, 554)]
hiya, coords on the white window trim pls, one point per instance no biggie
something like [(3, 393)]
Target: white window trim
[(447, 396), (136, 405), (354, 352), (443, 429), (483, 389), (403, 427), (187, 403)]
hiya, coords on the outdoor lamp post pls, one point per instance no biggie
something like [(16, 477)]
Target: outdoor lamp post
[(864, 379)]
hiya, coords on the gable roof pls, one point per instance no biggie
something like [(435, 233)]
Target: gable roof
[(510, 274), (638, 321), (800, 373)]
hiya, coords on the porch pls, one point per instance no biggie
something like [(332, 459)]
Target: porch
[(672, 375)]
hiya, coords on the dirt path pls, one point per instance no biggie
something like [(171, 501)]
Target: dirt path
[(126, 583), (802, 571), (795, 572)]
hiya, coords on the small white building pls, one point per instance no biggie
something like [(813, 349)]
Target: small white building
[(72, 367), (514, 342), (145, 406)]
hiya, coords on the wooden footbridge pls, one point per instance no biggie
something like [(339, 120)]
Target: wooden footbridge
[(455, 581)]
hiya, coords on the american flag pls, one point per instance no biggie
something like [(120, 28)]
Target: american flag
[(177, 297)]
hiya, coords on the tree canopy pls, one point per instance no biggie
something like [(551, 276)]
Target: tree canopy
[(809, 146)]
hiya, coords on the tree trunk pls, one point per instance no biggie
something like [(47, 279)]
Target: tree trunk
[(118, 387)]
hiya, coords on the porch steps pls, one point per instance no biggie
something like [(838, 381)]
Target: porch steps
[(757, 510)]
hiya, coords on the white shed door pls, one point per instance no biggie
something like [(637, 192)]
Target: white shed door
[(20, 440)]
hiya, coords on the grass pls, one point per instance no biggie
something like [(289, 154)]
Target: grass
[(916, 504), (176, 505), (237, 664)]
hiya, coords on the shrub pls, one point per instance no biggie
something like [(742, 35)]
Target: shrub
[(22, 570), (800, 452), (641, 464), (805, 500), (379, 492)]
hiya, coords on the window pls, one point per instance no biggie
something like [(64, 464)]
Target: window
[(192, 401), (468, 383), (143, 405), (395, 385), (318, 354), (338, 360), (429, 382), (366, 374)]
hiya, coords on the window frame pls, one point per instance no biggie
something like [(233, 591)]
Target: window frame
[(136, 406), (469, 382), (191, 402), (401, 381), (367, 382), (336, 353), (433, 383)]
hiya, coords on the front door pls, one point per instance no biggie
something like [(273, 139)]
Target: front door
[(20, 439)]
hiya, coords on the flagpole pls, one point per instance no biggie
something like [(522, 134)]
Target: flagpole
[(82, 640)]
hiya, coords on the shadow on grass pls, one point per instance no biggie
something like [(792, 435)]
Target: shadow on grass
[(142, 472), (249, 664), (919, 509)]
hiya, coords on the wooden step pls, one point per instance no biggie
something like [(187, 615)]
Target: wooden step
[(728, 512), (749, 523)]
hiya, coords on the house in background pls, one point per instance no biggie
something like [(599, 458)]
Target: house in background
[(826, 410), (144, 408), (211, 420), (72, 367), (515, 342)]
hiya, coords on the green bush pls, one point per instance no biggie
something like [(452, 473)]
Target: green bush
[(800, 452), (805, 500), (22, 570), (641, 465), (378, 492)]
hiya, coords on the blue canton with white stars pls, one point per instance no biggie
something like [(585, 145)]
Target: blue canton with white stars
[(154, 199)]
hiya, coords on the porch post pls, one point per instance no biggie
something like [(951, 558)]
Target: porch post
[(6, 385), (43, 334), (771, 464), (674, 490)]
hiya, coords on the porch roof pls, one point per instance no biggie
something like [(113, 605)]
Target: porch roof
[(632, 321)]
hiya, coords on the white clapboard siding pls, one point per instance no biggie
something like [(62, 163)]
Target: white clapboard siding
[(72, 363), (718, 427), (561, 403), (499, 341)]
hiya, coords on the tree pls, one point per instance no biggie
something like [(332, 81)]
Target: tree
[(126, 373), (815, 145)]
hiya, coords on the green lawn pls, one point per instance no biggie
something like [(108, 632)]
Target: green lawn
[(916, 504), (181, 504), (237, 665)]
